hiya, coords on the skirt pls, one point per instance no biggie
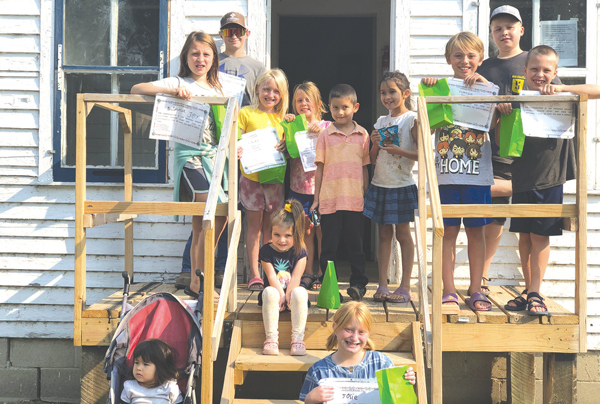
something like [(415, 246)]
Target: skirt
[(391, 205)]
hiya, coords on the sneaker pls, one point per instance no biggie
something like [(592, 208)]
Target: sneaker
[(271, 347), (356, 292), (219, 275), (297, 348), (183, 281)]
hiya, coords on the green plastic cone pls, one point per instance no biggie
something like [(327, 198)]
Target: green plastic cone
[(329, 295)]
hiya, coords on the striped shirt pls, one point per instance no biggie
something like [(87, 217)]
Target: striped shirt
[(343, 157)]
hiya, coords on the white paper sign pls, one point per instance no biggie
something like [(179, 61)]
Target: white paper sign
[(178, 120), (548, 120), (259, 150), (474, 116), (562, 36), (307, 147), (233, 86), (353, 391)]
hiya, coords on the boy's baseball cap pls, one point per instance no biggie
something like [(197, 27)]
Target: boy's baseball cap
[(233, 18), (506, 9)]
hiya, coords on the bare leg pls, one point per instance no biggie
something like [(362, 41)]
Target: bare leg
[(525, 253), (448, 259), (309, 240), (267, 232), (493, 233), (253, 240), (476, 252), (386, 233), (407, 249), (540, 253)]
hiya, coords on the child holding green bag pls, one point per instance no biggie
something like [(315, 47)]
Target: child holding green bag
[(354, 358), (307, 100)]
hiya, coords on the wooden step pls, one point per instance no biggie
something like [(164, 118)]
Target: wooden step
[(252, 359)]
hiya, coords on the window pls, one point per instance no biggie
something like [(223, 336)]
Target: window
[(107, 46)]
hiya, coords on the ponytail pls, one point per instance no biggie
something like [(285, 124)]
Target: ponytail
[(292, 215)]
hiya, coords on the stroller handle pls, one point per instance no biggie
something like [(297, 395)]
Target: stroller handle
[(126, 282)]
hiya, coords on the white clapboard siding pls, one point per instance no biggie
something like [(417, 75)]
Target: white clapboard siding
[(20, 7), (19, 83), (94, 263), (21, 100), (20, 25), (18, 137)]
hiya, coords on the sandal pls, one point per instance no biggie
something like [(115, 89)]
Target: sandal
[(297, 348), (478, 297), (317, 284), (403, 296), (534, 300), (256, 284), (382, 294), (307, 281), (519, 301), (485, 289), (450, 298), (271, 347)]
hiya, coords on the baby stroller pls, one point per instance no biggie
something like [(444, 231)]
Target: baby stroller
[(162, 316)]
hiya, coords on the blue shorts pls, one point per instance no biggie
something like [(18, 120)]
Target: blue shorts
[(543, 226), (464, 195), (305, 199)]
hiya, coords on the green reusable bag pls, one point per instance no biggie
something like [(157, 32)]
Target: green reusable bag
[(393, 388), (512, 137), (329, 295), (219, 116), (297, 125), (440, 115), (275, 175)]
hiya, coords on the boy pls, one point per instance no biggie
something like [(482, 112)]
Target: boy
[(341, 181), (463, 180), (538, 177), (234, 60)]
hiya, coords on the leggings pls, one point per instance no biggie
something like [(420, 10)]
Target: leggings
[(270, 312)]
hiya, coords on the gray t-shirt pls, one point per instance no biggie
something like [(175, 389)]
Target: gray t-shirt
[(244, 67)]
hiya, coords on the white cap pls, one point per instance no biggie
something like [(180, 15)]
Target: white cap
[(510, 10)]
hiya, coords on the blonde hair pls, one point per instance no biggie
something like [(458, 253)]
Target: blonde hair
[(278, 76), (314, 95), (465, 41), (346, 315), (294, 218)]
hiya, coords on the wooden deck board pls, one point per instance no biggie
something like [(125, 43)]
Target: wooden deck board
[(111, 306), (402, 312), (494, 316), (500, 296), (557, 314)]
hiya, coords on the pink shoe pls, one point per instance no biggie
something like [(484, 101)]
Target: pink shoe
[(298, 348), (271, 347)]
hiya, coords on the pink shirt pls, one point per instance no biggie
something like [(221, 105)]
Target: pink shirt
[(301, 181), (343, 158)]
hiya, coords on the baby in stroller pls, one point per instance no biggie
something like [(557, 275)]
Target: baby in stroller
[(155, 375)]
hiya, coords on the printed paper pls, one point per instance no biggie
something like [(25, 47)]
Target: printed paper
[(474, 116), (307, 148), (259, 151), (353, 391), (548, 119), (233, 86)]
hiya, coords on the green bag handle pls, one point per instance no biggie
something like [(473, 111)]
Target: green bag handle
[(512, 137), (440, 115), (394, 388), (290, 128)]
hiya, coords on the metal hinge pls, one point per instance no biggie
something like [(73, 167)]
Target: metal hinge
[(59, 70), (161, 64)]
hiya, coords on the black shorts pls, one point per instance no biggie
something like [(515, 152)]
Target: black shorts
[(192, 181), (543, 226)]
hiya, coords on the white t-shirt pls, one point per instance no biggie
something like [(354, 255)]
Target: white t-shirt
[(167, 393), (392, 171)]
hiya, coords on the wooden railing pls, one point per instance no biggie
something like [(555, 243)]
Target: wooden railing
[(427, 174), (94, 213)]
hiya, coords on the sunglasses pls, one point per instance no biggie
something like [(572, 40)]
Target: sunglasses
[(229, 32)]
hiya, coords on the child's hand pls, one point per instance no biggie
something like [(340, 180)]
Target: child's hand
[(392, 149), (289, 117), (429, 81), (282, 302), (375, 137), (473, 78), (314, 128), (550, 89), (320, 394), (314, 206), (280, 146), (183, 92), (410, 375), (504, 108), (240, 151)]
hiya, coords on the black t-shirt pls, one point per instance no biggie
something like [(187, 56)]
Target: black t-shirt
[(281, 261)]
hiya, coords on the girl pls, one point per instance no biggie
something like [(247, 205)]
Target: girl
[(354, 358), (284, 260), (307, 101), (269, 106), (392, 196), (154, 372), (198, 76)]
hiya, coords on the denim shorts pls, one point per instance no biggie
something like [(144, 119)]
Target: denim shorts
[(464, 195)]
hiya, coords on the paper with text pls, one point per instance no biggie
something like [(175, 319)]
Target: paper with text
[(474, 116), (353, 391), (178, 120), (307, 148), (259, 151), (233, 86), (548, 119)]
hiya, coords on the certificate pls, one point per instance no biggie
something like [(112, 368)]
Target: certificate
[(307, 148), (562, 36), (178, 120), (548, 119), (353, 391), (233, 86), (259, 150), (474, 116)]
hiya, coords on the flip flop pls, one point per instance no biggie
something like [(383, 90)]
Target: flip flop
[(256, 284), (535, 300), (403, 293), (308, 285), (382, 294), (450, 298), (478, 297), (519, 301)]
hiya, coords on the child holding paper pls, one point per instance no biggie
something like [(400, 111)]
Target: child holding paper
[(463, 180), (307, 100), (391, 199), (355, 356), (269, 106)]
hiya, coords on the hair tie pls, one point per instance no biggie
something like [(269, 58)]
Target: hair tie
[(288, 207)]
